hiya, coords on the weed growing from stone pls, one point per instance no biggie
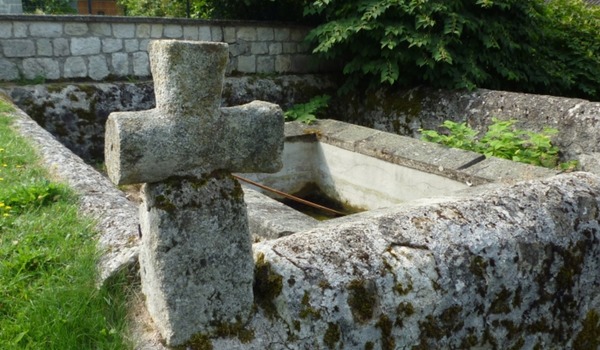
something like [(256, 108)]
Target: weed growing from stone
[(307, 112), (503, 140), (48, 298)]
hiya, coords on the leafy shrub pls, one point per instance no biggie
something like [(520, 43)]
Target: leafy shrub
[(280, 10), (572, 44), (500, 44), (272, 10), (306, 112), (160, 8), (502, 140), (50, 7)]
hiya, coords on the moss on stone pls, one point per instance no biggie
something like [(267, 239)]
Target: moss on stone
[(324, 284), (451, 318), (89, 89), (400, 108), (539, 326), (501, 302), (478, 266), (403, 289), (361, 300), (518, 345), (369, 345), (517, 299), (403, 310), (589, 336), (512, 330), (231, 330), (429, 329), (199, 341), (469, 341), (387, 339), (332, 335), (54, 88), (573, 258), (307, 309), (436, 327), (267, 286), (163, 203)]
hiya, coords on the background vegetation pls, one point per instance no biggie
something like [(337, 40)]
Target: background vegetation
[(537, 46), (271, 10), (48, 6)]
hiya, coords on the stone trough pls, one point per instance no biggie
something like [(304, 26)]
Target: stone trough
[(474, 254), (367, 169)]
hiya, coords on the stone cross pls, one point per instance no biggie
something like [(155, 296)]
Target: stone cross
[(196, 260)]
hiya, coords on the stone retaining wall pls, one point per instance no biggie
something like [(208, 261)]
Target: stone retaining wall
[(101, 48), (11, 6)]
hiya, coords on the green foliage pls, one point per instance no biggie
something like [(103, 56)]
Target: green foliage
[(164, 8), (271, 10), (502, 140), (572, 46), (48, 297), (307, 112), (500, 44), (49, 7)]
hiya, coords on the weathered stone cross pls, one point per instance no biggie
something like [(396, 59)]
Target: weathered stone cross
[(196, 259)]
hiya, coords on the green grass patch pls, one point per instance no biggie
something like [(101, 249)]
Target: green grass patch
[(48, 298)]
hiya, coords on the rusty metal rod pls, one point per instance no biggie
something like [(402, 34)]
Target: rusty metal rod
[(289, 196)]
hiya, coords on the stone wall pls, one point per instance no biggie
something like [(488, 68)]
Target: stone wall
[(404, 112), (105, 48), (11, 6)]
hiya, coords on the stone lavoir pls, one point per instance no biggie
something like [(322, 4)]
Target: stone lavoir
[(196, 257), (511, 265)]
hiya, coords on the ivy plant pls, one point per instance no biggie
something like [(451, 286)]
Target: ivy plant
[(502, 140)]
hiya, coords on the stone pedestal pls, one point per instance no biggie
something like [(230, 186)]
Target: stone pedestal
[(196, 255)]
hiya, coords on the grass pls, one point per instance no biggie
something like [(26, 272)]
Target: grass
[(48, 298)]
